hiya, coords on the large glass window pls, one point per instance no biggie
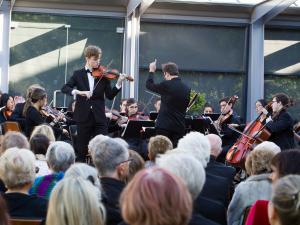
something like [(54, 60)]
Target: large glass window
[(211, 59), (282, 65), (43, 50)]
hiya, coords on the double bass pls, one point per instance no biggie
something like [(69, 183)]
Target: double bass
[(253, 134)]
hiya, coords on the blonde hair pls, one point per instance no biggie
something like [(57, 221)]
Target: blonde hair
[(259, 161), (91, 51), (17, 167), (75, 201), (45, 130), (158, 145), (286, 199)]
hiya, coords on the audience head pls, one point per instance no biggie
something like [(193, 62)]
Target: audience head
[(13, 139), (110, 158), (4, 218), (284, 208), (75, 201), (39, 144), (259, 161), (197, 145), (156, 197), (268, 145), (45, 130), (285, 163), (215, 144), (60, 156), (158, 144), (84, 171), (17, 168), (94, 143), (189, 169), (136, 164)]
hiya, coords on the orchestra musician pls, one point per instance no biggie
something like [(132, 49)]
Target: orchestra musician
[(90, 94), (123, 104), (229, 136), (208, 108), (157, 104), (281, 125), (132, 110), (35, 115), (175, 96), (7, 103)]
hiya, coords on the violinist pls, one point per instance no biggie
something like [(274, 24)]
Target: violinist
[(229, 118), (281, 125), (90, 95), (7, 104), (132, 111), (35, 115)]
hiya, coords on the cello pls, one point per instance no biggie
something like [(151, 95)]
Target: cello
[(253, 134)]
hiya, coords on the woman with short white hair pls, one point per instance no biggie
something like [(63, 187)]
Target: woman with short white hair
[(60, 156), (74, 201), (17, 170)]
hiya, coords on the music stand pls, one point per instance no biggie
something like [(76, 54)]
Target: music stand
[(197, 124), (134, 128), (213, 116), (153, 115)]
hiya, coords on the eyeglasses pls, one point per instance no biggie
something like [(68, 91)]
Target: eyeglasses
[(128, 160)]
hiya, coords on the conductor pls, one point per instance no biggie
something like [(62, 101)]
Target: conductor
[(175, 97)]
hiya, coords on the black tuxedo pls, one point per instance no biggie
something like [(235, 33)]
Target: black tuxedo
[(89, 114), (175, 97), (281, 129)]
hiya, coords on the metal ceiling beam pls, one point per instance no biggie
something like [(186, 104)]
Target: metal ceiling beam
[(261, 14)]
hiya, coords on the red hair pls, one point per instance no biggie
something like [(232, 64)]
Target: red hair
[(156, 197)]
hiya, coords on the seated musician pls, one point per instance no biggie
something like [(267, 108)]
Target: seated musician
[(157, 104), (132, 110), (230, 119), (123, 104), (7, 104), (208, 108), (281, 125), (36, 116)]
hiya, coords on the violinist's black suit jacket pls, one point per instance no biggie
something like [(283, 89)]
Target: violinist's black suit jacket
[(281, 129), (175, 97), (96, 103)]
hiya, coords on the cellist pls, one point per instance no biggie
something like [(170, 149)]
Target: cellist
[(281, 125)]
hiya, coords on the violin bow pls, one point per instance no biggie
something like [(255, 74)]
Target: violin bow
[(150, 100), (192, 102)]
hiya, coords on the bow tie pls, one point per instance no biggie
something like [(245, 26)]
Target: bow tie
[(88, 71)]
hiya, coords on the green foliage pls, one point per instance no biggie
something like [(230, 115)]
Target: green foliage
[(199, 103)]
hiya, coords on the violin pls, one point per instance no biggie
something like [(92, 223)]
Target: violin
[(109, 74)]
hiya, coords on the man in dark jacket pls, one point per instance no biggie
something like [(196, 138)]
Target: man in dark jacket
[(281, 125), (175, 96)]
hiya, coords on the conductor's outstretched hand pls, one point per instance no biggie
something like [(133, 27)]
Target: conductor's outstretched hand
[(152, 66)]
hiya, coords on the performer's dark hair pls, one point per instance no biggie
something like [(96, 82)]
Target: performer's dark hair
[(283, 98), (225, 99), (170, 68), (91, 51)]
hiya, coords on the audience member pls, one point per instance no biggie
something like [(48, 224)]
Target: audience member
[(256, 187), (60, 156), (14, 139), (4, 217), (112, 162), (284, 208), (74, 201), (17, 170), (154, 197), (192, 173), (158, 144), (136, 164), (45, 130), (39, 144)]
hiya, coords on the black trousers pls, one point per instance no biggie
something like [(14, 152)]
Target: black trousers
[(173, 136), (85, 132)]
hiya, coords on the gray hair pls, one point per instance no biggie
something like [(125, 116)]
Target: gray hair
[(17, 167), (14, 139), (215, 144), (286, 199), (268, 145), (107, 155), (186, 167), (85, 171), (93, 144), (60, 156), (197, 145)]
